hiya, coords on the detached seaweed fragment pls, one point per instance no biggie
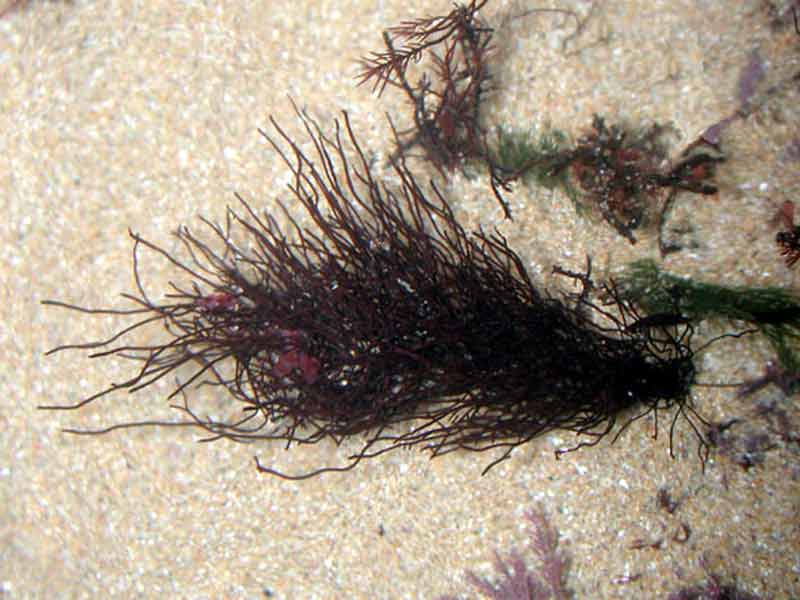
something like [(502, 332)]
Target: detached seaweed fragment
[(745, 444), (446, 102), (622, 174), (385, 319), (713, 589), (514, 580), (619, 172), (746, 447), (680, 533), (751, 76), (615, 170)]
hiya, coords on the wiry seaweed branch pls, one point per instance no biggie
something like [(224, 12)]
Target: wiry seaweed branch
[(788, 240)]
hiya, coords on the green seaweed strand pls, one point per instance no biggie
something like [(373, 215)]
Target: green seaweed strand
[(774, 311)]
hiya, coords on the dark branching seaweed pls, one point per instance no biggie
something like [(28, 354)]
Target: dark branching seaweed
[(387, 319), (619, 172), (774, 312), (446, 102), (616, 169)]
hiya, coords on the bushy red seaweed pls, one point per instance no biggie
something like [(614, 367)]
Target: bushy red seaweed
[(446, 100), (619, 172), (385, 318)]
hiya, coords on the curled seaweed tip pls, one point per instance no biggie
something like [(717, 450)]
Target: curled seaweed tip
[(386, 319)]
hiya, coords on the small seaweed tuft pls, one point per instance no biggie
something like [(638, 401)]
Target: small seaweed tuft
[(617, 171), (746, 448), (712, 589), (520, 155), (514, 580), (620, 173), (447, 98), (665, 500)]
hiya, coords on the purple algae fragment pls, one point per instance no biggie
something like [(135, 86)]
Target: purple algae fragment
[(750, 77), (713, 134), (791, 152)]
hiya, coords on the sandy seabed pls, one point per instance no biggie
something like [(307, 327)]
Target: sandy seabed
[(145, 115)]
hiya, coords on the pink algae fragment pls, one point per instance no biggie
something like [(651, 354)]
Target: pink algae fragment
[(293, 358), (218, 302), (296, 359)]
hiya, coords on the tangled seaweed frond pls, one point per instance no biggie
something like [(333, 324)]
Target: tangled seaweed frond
[(385, 318), (713, 589), (618, 172)]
